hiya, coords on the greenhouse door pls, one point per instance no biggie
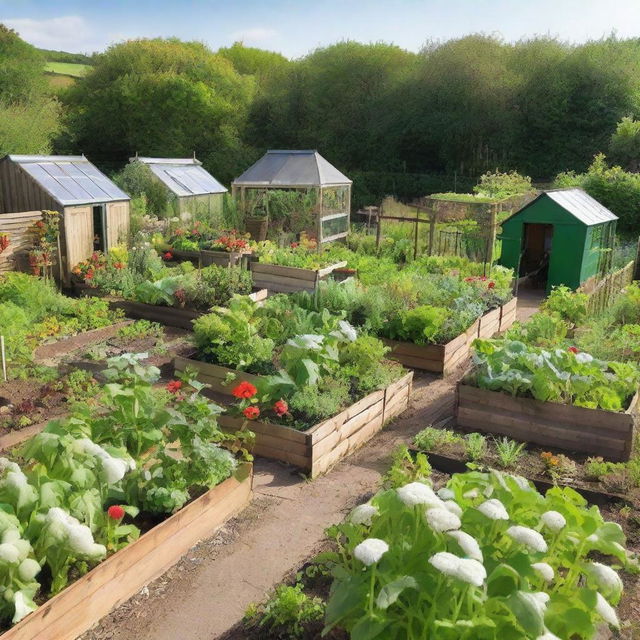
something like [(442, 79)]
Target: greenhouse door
[(536, 253)]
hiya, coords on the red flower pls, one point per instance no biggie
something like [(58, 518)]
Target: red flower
[(281, 407), (89, 274), (251, 413), (168, 255), (468, 279), (244, 390), (174, 386), (295, 245), (491, 285), (573, 350), (118, 265), (483, 278), (115, 512)]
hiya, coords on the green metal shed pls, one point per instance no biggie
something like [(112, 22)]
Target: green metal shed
[(564, 236)]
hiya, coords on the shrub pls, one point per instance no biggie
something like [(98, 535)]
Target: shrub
[(570, 306), (499, 185)]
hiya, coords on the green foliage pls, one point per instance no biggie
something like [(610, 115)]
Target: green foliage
[(392, 579), (141, 329), (315, 403), (287, 612), (558, 375), (146, 88), (541, 330), (137, 180), (432, 439), (624, 146), (509, 452), (406, 468), (475, 447), (616, 189), (499, 185), (570, 306)]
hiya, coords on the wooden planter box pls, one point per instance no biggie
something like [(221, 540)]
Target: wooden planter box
[(183, 256), (289, 279), (214, 375), (220, 258), (83, 603), (445, 358), (590, 431), (169, 316), (321, 446)]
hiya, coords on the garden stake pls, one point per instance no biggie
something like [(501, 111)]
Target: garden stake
[(4, 361)]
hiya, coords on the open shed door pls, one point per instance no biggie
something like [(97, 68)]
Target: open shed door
[(117, 220), (78, 236)]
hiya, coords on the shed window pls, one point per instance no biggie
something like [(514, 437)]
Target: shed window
[(596, 237)]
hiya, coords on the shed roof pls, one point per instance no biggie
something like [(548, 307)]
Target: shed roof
[(183, 176), (578, 203), (281, 168), (70, 180)]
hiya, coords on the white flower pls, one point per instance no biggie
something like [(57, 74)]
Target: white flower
[(584, 358), (471, 494), (528, 537), (81, 541), (547, 635), (348, 331), (85, 445), (418, 493), (370, 551), (553, 520), (441, 520), (17, 479), (363, 514), (23, 547), (493, 509), (56, 514), (114, 469), (28, 570), (446, 494), (307, 341), (445, 562), (23, 607), (608, 580), (11, 535), (606, 611), (8, 464), (544, 570), (9, 554), (471, 571), (454, 507), (468, 544)]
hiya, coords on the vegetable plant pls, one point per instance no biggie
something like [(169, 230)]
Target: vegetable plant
[(487, 557)]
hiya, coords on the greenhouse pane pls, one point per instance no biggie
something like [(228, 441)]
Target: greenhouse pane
[(335, 225)]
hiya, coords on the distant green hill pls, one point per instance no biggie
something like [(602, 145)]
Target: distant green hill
[(67, 68), (50, 55)]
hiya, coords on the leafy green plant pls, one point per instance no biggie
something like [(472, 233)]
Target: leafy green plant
[(141, 329), (563, 376), (432, 439), (509, 451), (287, 613), (406, 468), (475, 447), (460, 564), (569, 305)]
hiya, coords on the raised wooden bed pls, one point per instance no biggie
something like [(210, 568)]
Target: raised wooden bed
[(184, 256), (83, 603), (289, 279), (320, 447), (169, 316), (220, 258), (214, 375), (591, 431), (445, 358)]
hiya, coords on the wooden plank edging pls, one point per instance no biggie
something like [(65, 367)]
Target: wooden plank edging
[(83, 603)]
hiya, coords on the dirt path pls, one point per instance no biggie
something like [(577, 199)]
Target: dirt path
[(209, 590), (528, 303)]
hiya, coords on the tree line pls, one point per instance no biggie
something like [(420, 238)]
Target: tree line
[(461, 107)]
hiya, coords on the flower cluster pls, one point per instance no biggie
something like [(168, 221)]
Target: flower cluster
[(4, 241), (232, 241)]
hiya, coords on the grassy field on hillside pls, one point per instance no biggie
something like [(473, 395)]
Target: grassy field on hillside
[(67, 68)]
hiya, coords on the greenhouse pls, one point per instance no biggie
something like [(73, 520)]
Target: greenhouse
[(323, 193)]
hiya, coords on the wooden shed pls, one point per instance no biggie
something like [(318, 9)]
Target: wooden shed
[(303, 171), (564, 236), (94, 211), (190, 187)]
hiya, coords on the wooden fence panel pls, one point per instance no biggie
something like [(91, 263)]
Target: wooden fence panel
[(603, 293), (16, 256)]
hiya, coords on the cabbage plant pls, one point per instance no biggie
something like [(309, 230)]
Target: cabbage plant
[(486, 557)]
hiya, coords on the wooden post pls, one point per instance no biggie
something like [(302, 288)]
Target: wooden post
[(3, 358), (636, 266), (432, 230), (415, 234), (378, 226), (493, 227)]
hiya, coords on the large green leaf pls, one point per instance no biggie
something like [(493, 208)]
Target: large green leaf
[(391, 591)]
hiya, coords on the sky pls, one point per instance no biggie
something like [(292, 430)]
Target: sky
[(295, 27)]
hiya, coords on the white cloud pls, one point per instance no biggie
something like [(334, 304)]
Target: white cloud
[(254, 35), (68, 33)]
